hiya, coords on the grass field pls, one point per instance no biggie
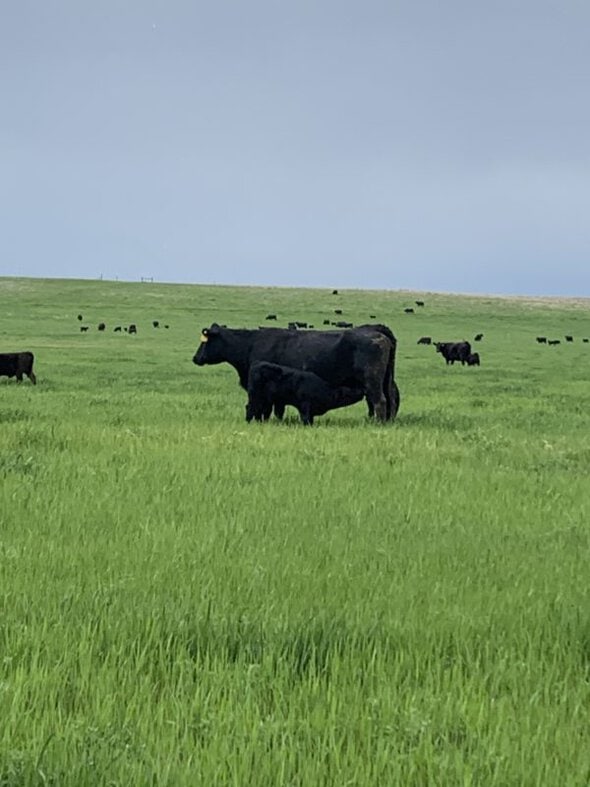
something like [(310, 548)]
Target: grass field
[(187, 599)]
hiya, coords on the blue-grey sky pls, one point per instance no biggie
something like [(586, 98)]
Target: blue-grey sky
[(415, 144)]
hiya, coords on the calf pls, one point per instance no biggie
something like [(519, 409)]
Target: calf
[(478, 337), (419, 303), (454, 351), (425, 340), (271, 385), (17, 364), (473, 359), (271, 317), (83, 328)]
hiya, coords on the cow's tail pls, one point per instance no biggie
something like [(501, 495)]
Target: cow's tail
[(390, 389)]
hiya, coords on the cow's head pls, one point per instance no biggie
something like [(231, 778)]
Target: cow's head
[(210, 350)]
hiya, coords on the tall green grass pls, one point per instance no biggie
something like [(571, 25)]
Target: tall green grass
[(189, 599)]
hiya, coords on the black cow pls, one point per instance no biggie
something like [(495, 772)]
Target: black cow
[(419, 303), (478, 337), (342, 324), (334, 292), (132, 328), (101, 326), (585, 341), (569, 338), (473, 359), (362, 357), (156, 323), (454, 351), (271, 317), (117, 329), (271, 385), (372, 316), (292, 326), (553, 342), (17, 364), (83, 328), (80, 317), (300, 324), (424, 340), (166, 327), (337, 311), (326, 322), (542, 339), (409, 310)]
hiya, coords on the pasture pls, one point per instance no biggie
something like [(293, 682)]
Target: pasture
[(187, 599)]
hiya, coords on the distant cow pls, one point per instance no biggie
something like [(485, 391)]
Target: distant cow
[(132, 328), (542, 339), (372, 316), (585, 341), (156, 323), (326, 322), (337, 311), (553, 342), (117, 329), (569, 338), (80, 317), (478, 337), (454, 351), (17, 364), (166, 327), (342, 324), (271, 317), (101, 326), (419, 303), (300, 324), (425, 340), (473, 359), (83, 328), (271, 385), (334, 292), (409, 310)]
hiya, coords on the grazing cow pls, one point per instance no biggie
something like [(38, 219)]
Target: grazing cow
[(569, 338), (80, 317), (585, 341), (553, 342), (542, 339), (132, 328), (337, 311), (362, 357), (300, 324), (17, 364), (478, 337), (156, 323), (334, 292), (83, 328), (473, 359), (372, 316), (117, 329), (419, 303), (326, 322), (454, 351), (292, 326), (271, 317), (101, 326), (271, 385), (342, 324), (166, 327), (425, 340), (409, 310)]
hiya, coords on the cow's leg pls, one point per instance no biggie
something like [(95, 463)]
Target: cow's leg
[(279, 410), (306, 414), (377, 399), (370, 407), (32, 378), (19, 377)]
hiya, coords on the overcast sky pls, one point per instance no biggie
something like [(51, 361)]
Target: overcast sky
[(422, 144)]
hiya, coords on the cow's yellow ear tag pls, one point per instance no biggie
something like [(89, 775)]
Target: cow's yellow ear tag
[(204, 338)]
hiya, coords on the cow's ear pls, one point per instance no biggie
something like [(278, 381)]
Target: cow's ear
[(215, 328)]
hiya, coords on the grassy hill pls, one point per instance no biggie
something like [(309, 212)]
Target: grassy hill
[(189, 599)]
